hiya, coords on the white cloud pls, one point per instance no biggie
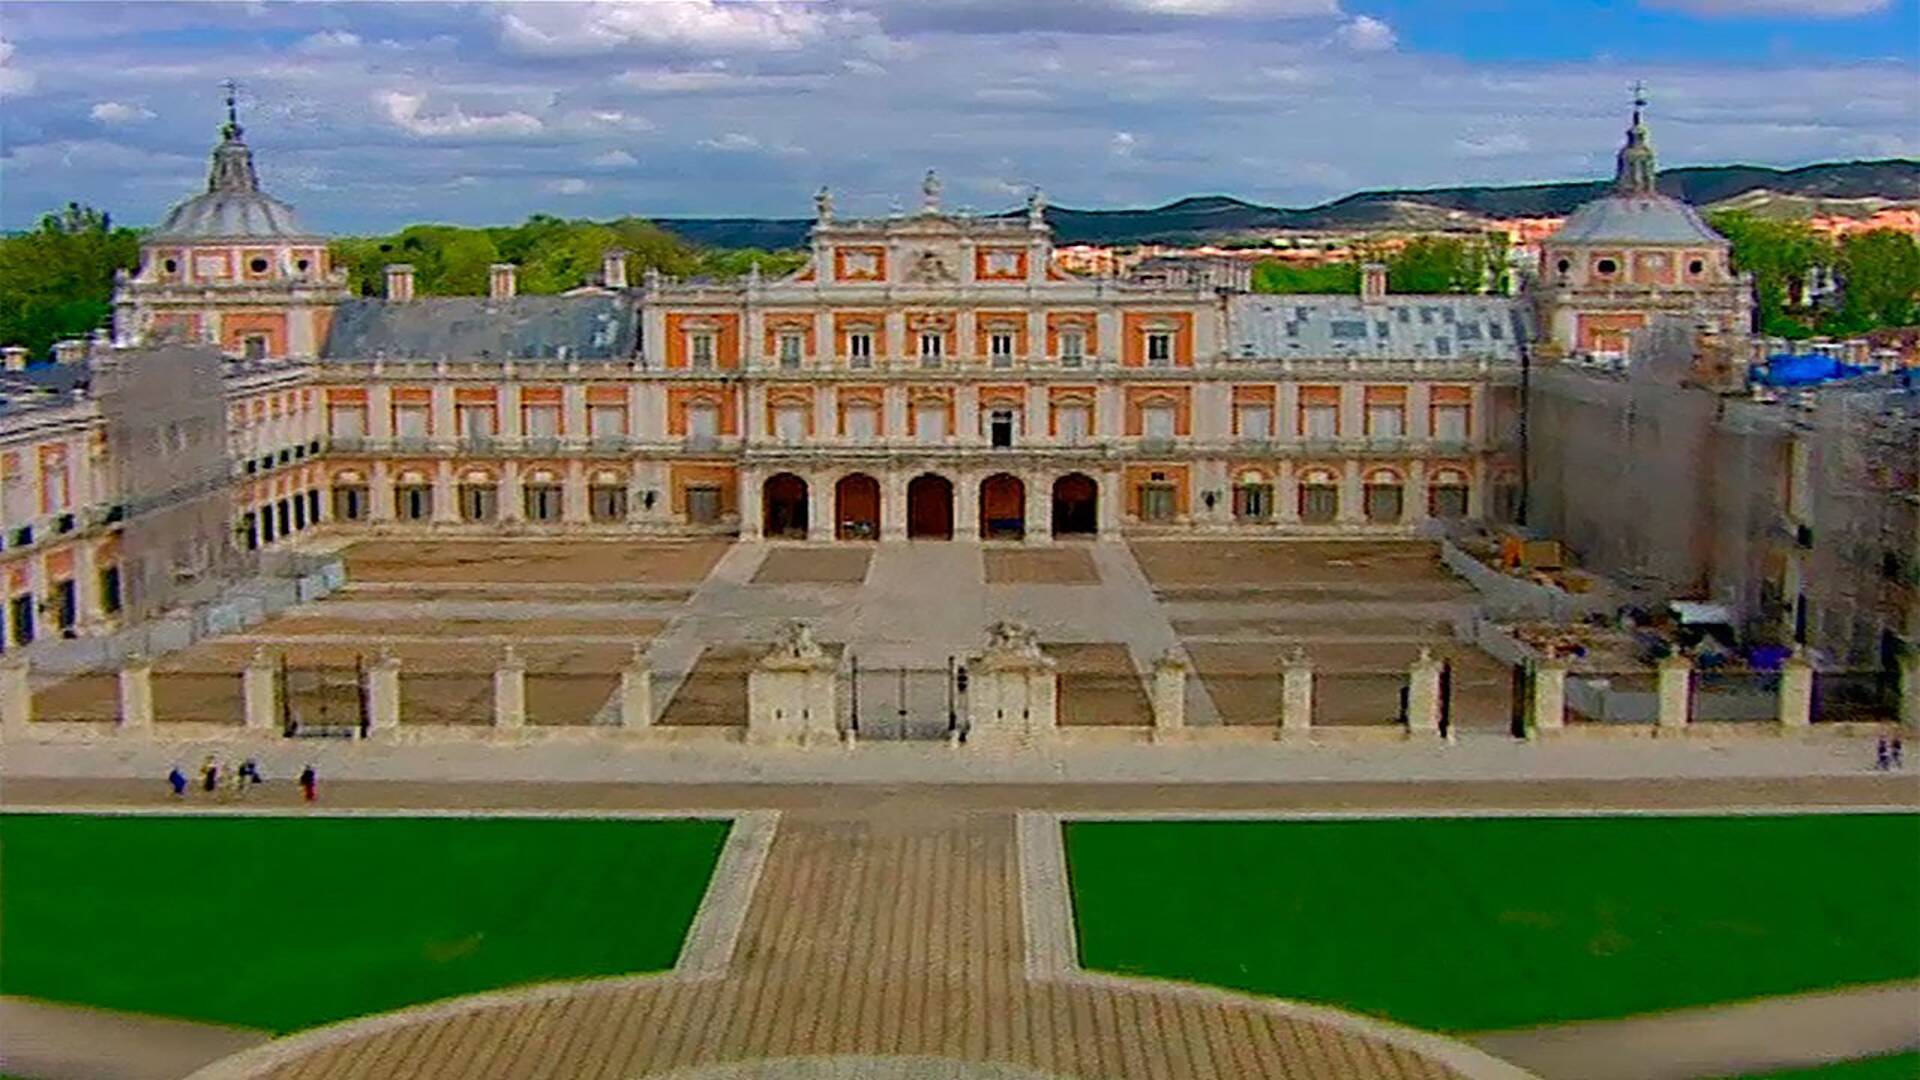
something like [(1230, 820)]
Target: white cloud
[(1364, 33), (404, 111), (13, 80), (571, 185), (328, 41), (711, 80), (1500, 145), (613, 159), (1122, 144), (119, 112), (1813, 9), (701, 26), (732, 142), (1267, 8)]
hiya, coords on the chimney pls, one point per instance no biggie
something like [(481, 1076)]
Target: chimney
[(1373, 282), (502, 282), (70, 351), (15, 357), (400, 282), (613, 269)]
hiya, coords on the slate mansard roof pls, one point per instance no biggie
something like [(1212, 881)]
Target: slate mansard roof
[(586, 327), (1406, 327), (1638, 219)]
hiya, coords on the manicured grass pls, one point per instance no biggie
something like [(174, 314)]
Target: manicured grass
[(1476, 924), (283, 923), (1897, 1067)]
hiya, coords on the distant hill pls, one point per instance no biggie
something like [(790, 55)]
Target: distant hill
[(1827, 187)]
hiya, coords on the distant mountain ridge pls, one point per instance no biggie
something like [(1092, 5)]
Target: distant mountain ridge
[(1218, 218)]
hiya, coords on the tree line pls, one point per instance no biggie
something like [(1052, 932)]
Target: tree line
[(1424, 264), (1877, 273)]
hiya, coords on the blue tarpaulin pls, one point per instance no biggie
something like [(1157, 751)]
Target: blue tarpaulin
[(1787, 369)]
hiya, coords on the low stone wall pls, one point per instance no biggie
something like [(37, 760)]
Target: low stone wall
[(1516, 598)]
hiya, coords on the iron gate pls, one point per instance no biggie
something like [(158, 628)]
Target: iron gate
[(323, 700), (907, 702)]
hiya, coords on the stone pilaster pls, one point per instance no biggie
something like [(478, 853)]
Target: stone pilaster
[(383, 695), (136, 695), (1013, 699), (1423, 697), (790, 693), (1170, 673), (510, 692), (1296, 694), (16, 697), (1549, 704), (1675, 689), (1796, 691), (636, 691), (260, 690)]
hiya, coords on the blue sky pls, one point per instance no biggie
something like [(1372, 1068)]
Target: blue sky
[(367, 115)]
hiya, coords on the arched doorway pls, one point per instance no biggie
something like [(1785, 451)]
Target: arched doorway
[(1076, 505), (856, 507), (1003, 507), (930, 507), (784, 507)]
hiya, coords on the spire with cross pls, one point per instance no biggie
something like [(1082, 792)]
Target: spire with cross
[(1635, 169), (232, 161), (231, 129)]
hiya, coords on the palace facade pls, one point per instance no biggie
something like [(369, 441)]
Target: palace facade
[(929, 375)]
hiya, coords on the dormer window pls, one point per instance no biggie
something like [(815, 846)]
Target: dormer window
[(171, 266), (257, 265), (1564, 265), (1696, 267), (1607, 267)]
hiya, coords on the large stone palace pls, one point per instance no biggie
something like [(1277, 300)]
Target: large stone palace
[(927, 375)]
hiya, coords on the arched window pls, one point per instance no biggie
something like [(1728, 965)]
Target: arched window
[(1385, 496), (1447, 494), (1319, 496), (1252, 496)]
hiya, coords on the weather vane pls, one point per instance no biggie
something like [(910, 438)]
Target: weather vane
[(233, 113)]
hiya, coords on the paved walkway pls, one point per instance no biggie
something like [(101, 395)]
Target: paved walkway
[(1788, 1032), (41, 1038)]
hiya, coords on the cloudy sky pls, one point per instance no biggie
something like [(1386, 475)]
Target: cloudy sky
[(367, 115)]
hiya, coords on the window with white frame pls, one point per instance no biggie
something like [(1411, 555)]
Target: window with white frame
[(1000, 426), (863, 422), (410, 421), (1073, 347), (607, 421), (1159, 348), (1450, 423), (16, 499), (860, 349), (53, 487), (543, 421), (1386, 421), (1000, 348), (791, 345), (607, 501), (476, 421), (1320, 421), (933, 345), (703, 420), (1253, 420), (1156, 422), (930, 421), (1074, 423), (700, 349), (346, 421), (790, 423)]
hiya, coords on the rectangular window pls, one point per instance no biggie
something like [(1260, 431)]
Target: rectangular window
[(1447, 501), (476, 421), (1000, 349), (1450, 423), (1253, 421), (313, 506), (347, 421), (254, 347), (1319, 503), (1156, 502), (1156, 422), (1001, 425), (930, 422), (703, 505), (790, 347), (607, 421), (860, 350), (251, 527), (53, 488), (1383, 503), (542, 421), (543, 502), (479, 502), (410, 421), (285, 513), (23, 619), (110, 590), (863, 423), (1386, 421), (350, 503), (1253, 502), (299, 513), (790, 423), (703, 421), (1075, 424), (607, 502), (413, 502), (932, 346), (700, 350), (1159, 349), (1320, 421), (1073, 348)]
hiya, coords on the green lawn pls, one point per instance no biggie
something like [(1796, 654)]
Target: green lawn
[(283, 923), (1897, 1067), (1476, 924)]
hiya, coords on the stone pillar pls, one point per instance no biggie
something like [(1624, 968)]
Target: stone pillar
[(1170, 694), (1549, 705), (790, 693), (1910, 689), (510, 691), (636, 691), (1039, 510), (260, 690), (1796, 691), (893, 506), (1013, 696), (1423, 696), (1296, 693), (1112, 502), (819, 508), (383, 695), (136, 695), (966, 506), (16, 696), (1675, 684)]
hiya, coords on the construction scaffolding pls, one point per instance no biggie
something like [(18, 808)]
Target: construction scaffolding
[(1796, 511)]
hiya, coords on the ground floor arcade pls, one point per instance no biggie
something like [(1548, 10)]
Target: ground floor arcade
[(931, 504)]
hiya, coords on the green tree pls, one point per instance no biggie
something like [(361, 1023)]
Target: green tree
[(1444, 264), (1278, 277), (57, 280), (1781, 256), (1880, 271)]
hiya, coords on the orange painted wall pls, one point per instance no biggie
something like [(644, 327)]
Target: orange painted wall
[(1176, 475), (1608, 332), (682, 477), (725, 327), (1138, 397), (1136, 325), (680, 397), (1083, 321), (778, 323), (991, 322)]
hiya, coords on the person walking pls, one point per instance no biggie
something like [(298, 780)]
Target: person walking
[(309, 780), (177, 780), (1881, 757), (250, 771), (210, 775), (1896, 753)]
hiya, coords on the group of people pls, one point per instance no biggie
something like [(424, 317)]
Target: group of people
[(226, 780), (1890, 754)]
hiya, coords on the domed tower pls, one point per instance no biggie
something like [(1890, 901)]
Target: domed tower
[(1632, 254), (233, 266)]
